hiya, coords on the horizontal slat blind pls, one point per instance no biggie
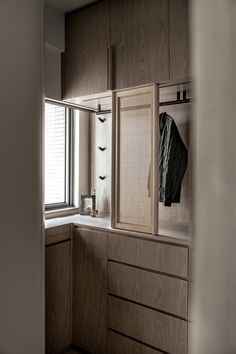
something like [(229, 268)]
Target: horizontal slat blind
[(55, 153)]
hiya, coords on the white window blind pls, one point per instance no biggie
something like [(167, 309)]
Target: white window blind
[(55, 154)]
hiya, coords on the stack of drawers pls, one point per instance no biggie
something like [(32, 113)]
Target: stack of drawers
[(147, 296)]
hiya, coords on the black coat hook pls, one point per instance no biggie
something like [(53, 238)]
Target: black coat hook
[(101, 148), (102, 177), (102, 120)]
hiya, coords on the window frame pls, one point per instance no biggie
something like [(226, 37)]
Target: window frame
[(69, 162)]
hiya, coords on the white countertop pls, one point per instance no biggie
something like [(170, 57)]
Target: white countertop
[(103, 222)]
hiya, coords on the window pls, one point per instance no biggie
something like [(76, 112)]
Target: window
[(58, 156)]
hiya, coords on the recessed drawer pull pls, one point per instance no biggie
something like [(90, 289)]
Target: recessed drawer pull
[(101, 148), (102, 177)]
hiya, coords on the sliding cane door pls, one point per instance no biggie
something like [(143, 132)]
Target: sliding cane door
[(134, 118)]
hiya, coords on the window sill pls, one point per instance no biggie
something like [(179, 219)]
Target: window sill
[(50, 214)]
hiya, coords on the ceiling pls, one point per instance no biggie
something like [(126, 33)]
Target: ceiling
[(69, 5)]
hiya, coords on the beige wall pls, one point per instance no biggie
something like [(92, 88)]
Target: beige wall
[(21, 256), (214, 55)]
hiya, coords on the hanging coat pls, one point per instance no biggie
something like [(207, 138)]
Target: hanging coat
[(173, 161)]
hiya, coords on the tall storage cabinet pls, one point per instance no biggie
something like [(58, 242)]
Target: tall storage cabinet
[(179, 39), (90, 290), (134, 162), (139, 41), (86, 62), (58, 297)]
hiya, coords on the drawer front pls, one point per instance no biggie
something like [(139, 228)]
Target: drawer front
[(57, 234), (148, 326), (118, 344), (155, 290), (152, 255)]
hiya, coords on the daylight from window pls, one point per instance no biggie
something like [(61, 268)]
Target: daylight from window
[(55, 154)]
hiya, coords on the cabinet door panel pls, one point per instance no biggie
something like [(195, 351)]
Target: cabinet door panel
[(135, 137), (140, 42), (58, 297), (179, 39), (90, 290), (87, 42)]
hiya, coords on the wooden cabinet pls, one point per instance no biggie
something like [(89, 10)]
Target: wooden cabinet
[(57, 297), (90, 290), (116, 44), (147, 296), (85, 62), (135, 137), (179, 39), (128, 294), (139, 41)]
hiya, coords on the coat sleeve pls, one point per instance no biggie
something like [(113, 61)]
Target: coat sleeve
[(176, 163)]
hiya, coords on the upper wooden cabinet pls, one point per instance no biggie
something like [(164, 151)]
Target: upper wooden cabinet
[(139, 41), (179, 39), (85, 62), (116, 44)]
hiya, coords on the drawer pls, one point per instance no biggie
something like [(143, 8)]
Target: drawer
[(155, 290), (57, 234), (147, 254), (148, 326), (118, 344)]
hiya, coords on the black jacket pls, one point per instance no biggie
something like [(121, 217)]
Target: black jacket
[(173, 161)]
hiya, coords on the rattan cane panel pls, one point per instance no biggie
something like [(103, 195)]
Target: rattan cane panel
[(134, 165)]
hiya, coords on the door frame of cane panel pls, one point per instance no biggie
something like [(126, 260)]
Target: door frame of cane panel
[(153, 90)]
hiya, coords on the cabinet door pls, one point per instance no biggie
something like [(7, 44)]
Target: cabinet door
[(179, 39), (135, 136), (87, 40), (140, 42), (58, 297), (90, 290)]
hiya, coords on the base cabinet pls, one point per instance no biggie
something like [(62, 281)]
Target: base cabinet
[(57, 297), (90, 290), (113, 293)]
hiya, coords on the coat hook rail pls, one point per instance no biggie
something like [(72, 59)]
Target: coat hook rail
[(178, 99)]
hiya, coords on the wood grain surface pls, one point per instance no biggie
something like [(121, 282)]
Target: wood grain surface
[(87, 42), (179, 39), (90, 290), (151, 327), (58, 297), (57, 234), (151, 289), (118, 344), (151, 255), (140, 42)]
